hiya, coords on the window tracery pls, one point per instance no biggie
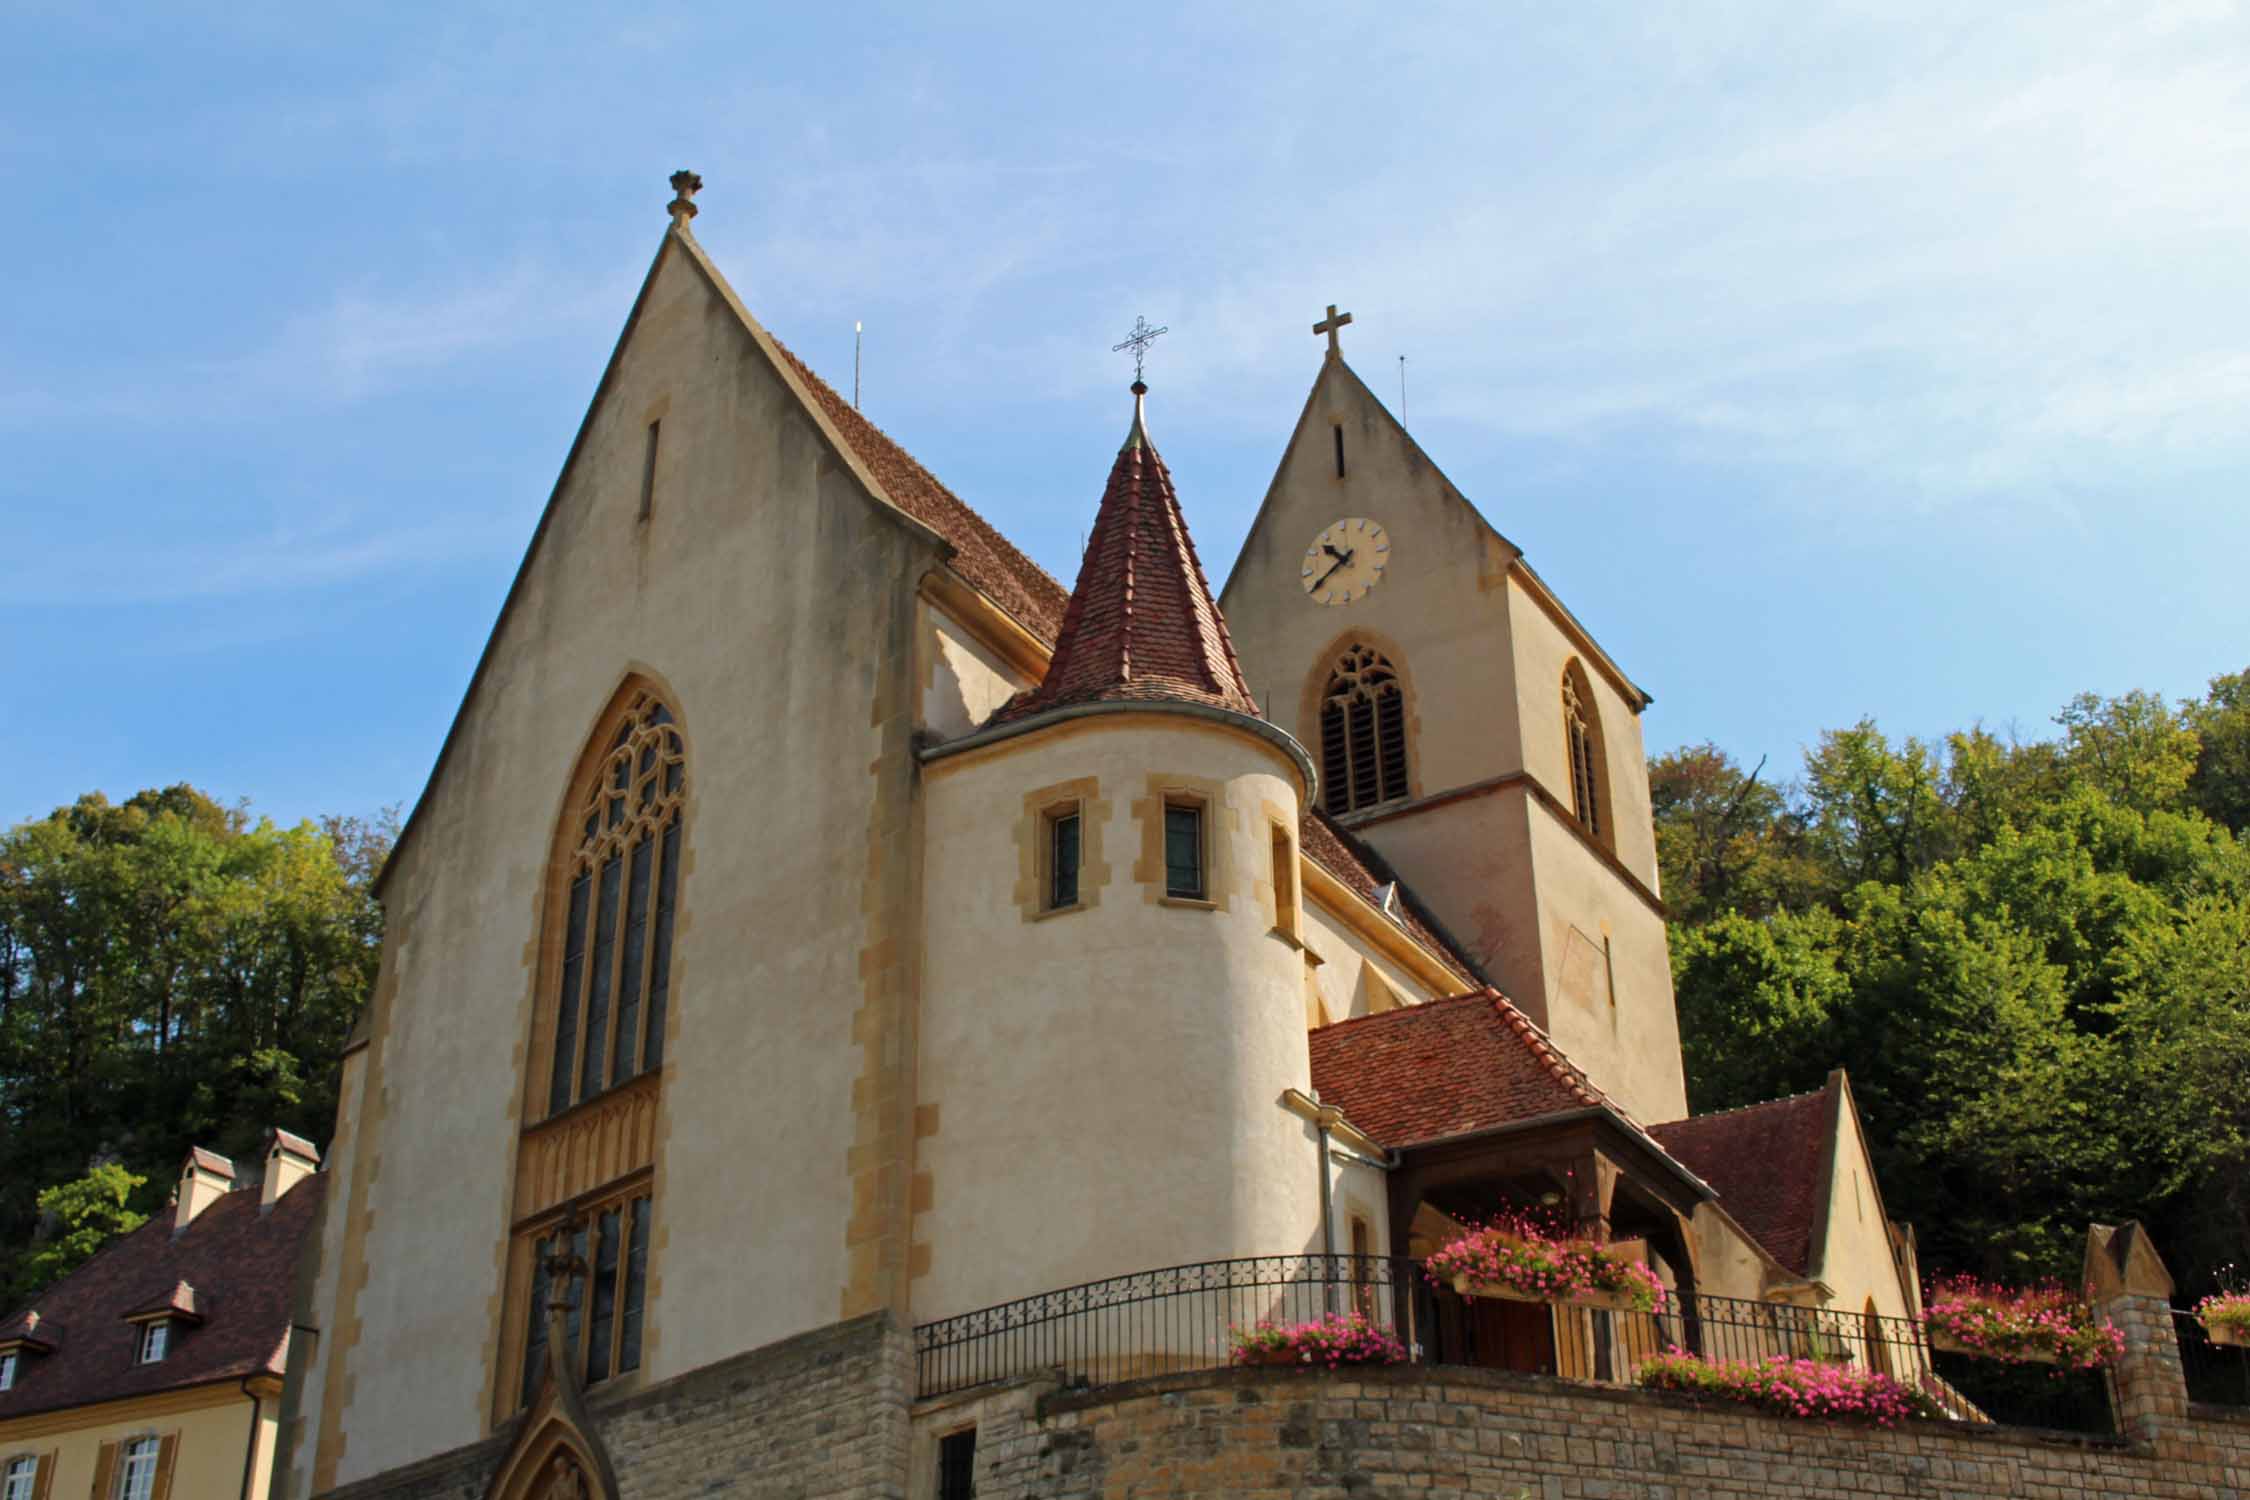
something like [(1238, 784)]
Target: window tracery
[(1582, 736), (1362, 732), (623, 894)]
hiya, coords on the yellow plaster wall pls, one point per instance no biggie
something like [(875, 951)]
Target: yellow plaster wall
[(1626, 1036), (1101, 1088), (1726, 1264), (1542, 650), (1856, 1260), (1353, 979), (774, 602), (213, 1427), (962, 680)]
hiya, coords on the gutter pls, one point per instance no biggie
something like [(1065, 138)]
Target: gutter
[(1262, 729)]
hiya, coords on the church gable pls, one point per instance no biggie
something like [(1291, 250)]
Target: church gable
[(721, 543), (1431, 609)]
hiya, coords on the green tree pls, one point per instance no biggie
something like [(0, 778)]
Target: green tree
[(2136, 749), (2220, 786), (1875, 810), (86, 1214), (1726, 839), (171, 974)]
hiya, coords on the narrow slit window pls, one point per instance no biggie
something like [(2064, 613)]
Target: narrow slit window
[(1183, 850), (1339, 434), (535, 1332), (1063, 832), (602, 1316), (648, 471), (1284, 882)]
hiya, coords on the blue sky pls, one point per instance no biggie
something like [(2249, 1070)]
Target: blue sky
[(1884, 359)]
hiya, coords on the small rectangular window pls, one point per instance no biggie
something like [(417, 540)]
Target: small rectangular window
[(154, 1337), (23, 1475), (957, 1465), (1062, 859), (7, 1372), (1284, 882), (1183, 850)]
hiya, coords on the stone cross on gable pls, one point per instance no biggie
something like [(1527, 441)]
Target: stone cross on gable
[(1329, 325)]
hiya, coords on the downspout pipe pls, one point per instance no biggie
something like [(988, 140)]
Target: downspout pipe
[(1323, 1123), (250, 1450)]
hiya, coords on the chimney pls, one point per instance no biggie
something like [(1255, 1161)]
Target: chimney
[(290, 1159), (205, 1179)]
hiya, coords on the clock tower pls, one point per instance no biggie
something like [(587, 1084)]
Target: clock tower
[(1466, 725)]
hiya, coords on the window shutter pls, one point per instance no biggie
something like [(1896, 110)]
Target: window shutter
[(105, 1472), (43, 1477), (167, 1450)]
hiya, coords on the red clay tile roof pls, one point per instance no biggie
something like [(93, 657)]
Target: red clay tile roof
[(1355, 863), (1141, 624), (1769, 1162), (980, 553), (241, 1262), (1426, 1072)]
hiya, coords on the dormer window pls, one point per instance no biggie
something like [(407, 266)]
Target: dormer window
[(8, 1371), (156, 1337)]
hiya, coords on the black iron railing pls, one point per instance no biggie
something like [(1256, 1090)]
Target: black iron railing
[(2216, 1373), (1183, 1318), (1155, 1322)]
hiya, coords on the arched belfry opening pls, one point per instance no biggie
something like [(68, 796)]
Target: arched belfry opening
[(1363, 750), (1589, 766)]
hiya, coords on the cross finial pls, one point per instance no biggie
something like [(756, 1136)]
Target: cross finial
[(1138, 341), (1329, 325), (685, 185)]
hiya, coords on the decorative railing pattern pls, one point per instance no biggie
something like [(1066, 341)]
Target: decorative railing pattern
[(1181, 1318)]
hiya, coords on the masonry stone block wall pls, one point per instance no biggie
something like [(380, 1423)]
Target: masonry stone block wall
[(821, 1415), (1430, 1433)]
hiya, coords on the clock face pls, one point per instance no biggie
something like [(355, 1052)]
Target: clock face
[(1346, 561)]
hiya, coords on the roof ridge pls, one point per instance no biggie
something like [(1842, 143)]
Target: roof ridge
[(1743, 1109), (1566, 1072)]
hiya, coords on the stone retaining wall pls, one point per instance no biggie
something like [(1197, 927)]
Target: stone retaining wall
[(1438, 1433)]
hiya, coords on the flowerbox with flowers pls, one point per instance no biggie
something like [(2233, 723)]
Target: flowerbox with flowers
[(1791, 1387), (1337, 1339), (2225, 1317), (2040, 1324), (1516, 1259)]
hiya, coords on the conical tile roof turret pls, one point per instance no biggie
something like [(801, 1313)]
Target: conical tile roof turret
[(1142, 625)]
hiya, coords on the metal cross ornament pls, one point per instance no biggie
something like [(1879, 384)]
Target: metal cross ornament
[(1138, 341)]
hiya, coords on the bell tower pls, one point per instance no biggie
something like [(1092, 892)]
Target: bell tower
[(1467, 725)]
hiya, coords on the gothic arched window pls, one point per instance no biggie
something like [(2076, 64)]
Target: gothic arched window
[(1362, 732), (1582, 736), (623, 891)]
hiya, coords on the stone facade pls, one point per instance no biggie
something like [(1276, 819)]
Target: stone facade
[(820, 1415)]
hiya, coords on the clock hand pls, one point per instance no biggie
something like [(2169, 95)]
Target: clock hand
[(1330, 549), (1342, 558)]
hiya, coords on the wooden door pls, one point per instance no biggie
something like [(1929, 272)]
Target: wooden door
[(1513, 1335)]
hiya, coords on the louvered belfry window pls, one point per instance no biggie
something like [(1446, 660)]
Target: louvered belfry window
[(1362, 732), (1583, 745), (624, 890)]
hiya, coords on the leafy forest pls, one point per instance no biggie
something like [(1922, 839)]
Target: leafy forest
[(2032, 954)]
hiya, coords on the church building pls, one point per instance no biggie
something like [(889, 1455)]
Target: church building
[(817, 913)]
